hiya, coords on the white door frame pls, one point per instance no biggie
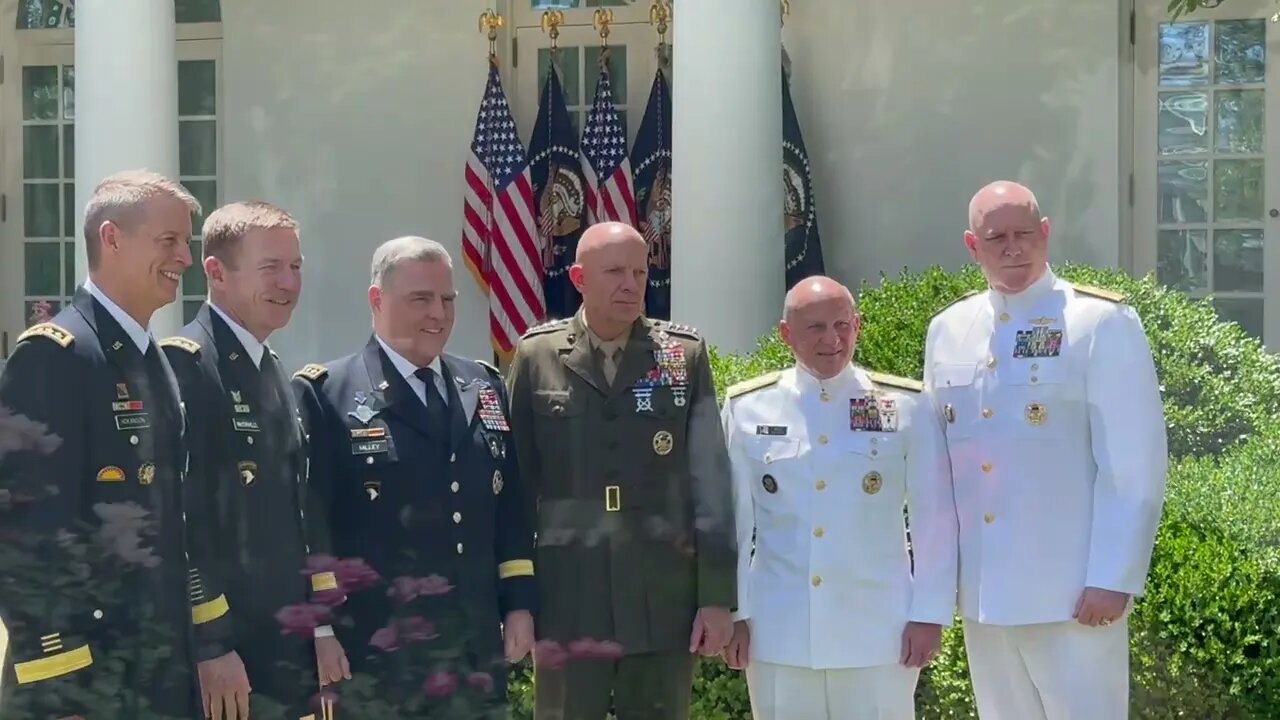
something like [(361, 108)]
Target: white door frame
[(1150, 14)]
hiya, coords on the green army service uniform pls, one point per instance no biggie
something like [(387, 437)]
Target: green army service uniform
[(629, 481)]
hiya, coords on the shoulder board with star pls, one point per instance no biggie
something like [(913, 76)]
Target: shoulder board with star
[(181, 343), (53, 332), (686, 331), (755, 383), (546, 327), (312, 371), (896, 382), (1100, 293), (965, 296)]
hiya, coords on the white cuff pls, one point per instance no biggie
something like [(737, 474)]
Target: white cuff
[(324, 631)]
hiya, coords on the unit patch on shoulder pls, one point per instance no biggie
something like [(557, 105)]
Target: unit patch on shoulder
[(312, 371), (895, 381), (753, 384), (1100, 293), (56, 333), (181, 343)]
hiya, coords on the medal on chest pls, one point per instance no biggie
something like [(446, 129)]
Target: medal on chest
[(873, 413), (1037, 342), (491, 415)]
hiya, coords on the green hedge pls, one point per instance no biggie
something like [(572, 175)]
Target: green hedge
[(1204, 638)]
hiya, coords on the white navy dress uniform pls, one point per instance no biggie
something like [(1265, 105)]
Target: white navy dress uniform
[(1054, 424), (821, 471)]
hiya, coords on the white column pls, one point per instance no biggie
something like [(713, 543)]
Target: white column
[(727, 265), (126, 104)]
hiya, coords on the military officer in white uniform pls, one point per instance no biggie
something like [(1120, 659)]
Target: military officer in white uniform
[(831, 621), (1048, 397)]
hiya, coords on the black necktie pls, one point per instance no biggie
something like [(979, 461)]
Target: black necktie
[(437, 412)]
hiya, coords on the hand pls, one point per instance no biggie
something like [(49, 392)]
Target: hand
[(517, 635), (736, 653), (920, 642), (712, 629), (224, 687), (331, 661), (1100, 607)]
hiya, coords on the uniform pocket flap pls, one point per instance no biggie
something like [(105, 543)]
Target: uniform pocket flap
[(556, 403), (768, 449), (954, 374)]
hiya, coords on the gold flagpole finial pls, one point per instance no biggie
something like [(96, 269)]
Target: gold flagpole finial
[(551, 22), (660, 15), (490, 21), (601, 19), (786, 10)]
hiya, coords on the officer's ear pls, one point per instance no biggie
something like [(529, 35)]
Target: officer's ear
[(214, 270), (971, 242), (576, 276), (375, 298)]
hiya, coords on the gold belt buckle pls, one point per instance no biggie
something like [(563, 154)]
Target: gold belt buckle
[(613, 498)]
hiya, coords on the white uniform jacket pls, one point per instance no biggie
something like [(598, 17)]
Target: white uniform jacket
[(1053, 419), (821, 471)]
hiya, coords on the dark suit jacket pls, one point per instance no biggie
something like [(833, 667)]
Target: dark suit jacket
[(414, 506), (94, 565), (248, 492)]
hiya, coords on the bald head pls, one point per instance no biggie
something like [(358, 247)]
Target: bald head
[(999, 195), (1007, 236), (611, 270), (820, 324)]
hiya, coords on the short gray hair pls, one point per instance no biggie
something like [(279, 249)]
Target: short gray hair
[(393, 253), (120, 196)]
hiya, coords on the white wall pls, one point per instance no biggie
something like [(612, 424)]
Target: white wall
[(909, 107), (356, 116)]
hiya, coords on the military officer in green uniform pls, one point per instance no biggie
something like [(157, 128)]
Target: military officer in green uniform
[(107, 615), (619, 440)]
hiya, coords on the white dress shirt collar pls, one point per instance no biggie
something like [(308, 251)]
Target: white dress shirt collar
[(138, 334), (845, 382), (407, 370), (1025, 300), (247, 340)]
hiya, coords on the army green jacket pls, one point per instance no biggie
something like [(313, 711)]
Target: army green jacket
[(629, 484)]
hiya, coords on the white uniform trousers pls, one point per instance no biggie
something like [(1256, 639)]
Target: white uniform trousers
[(786, 692), (1049, 671)]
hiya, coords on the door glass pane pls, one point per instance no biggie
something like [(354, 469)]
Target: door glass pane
[(193, 11), (1184, 53), (567, 64), (1240, 53), (617, 72), (197, 89), (68, 151), (41, 212), (43, 267), (68, 268), (193, 280), (206, 192), (1184, 191), (1237, 190), (1183, 256), (198, 147), (1239, 121), (39, 92), (1183, 127), (68, 92), (69, 210), (1246, 311), (40, 152), (1237, 260)]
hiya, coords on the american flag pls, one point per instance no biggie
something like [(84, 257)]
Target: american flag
[(606, 165), (499, 234)]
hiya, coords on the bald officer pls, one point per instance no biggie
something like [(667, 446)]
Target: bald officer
[(1051, 407), (832, 622)]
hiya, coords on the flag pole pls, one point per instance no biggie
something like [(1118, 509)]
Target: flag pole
[(659, 16), (490, 21)]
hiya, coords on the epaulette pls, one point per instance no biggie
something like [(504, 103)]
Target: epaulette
[(753, 384), (965, 296), (489, 366), (682, 330), (56, 333), (895, 381), (312, 371), (546, 327), (181, 343), (1102, 293)]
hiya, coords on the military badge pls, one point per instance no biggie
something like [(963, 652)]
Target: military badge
[(117, 345), (497, 448), (245, 425), (644, 398), (663, 442), (491, 414), (233, 356), (146, 474), (122, 391), (872, 482), (136, 421), (1037, 342), (248, 472), (497, 481), (127, 406), (771, 429), (373, 489), (678, 392), (770, 485), (368, 432), (1036, 413), (111, 473), (887, 409), (864, 414), (235, 396), (363, 413)]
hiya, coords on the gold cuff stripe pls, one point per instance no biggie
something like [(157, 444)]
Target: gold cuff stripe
[(515, 568), (324, 581), (210, 611), (53, 666)]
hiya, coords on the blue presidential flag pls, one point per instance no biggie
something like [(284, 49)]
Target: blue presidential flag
[(559, 194), (800, 214), (651, 165)]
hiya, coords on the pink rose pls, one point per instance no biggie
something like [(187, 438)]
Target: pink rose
[(386, 639), (481, 680), (416, 629), (303, 619), (550, 654), (440, 684)]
